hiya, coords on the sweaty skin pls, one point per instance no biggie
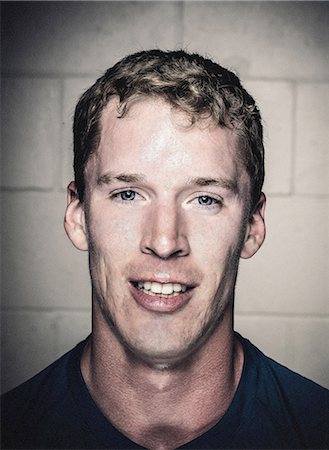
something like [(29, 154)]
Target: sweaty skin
[(165, 206)]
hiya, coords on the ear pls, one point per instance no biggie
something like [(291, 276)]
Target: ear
[(74, 221), (255, 233)]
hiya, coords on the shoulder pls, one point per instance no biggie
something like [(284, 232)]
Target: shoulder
[(299, 387), (297, 404), (43, 397), (51, 381)]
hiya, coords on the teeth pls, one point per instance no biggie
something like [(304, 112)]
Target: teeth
[(179, 287), (167, 289), (147, 285), (156, 288), (159, 288)]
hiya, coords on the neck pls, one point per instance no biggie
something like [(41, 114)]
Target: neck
[(163, 408)]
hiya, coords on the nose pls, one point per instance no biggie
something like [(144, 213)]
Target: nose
[(164, 233)]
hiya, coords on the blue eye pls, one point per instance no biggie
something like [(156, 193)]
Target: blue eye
[(205, 200), (127, 195)]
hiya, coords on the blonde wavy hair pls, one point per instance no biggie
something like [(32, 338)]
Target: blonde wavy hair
[(189, 82)]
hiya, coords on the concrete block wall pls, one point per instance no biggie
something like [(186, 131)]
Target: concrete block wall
[(51, 52)]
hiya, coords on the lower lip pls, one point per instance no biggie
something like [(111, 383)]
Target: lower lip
[(160, 304)]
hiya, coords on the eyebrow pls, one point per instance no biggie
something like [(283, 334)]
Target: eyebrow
[(231, 185), (108, 178)]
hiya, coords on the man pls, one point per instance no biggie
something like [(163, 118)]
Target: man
[(168, 160)]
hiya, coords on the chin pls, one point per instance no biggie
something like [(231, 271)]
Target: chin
[(164, 343)]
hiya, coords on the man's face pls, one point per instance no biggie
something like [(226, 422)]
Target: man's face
[(164, 214)]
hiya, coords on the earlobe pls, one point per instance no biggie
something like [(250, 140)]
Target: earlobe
[(74, 221), (256, 231)]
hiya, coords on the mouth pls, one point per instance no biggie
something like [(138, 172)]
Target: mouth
[(161, 297), (162, 289)]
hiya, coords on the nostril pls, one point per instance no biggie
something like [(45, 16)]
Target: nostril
[(163, 234), (164, 254)]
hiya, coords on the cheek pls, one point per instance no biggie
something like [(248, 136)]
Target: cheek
[(212, 244), (112, 235)]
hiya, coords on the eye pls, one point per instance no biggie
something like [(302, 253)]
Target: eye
[(126, 196), (206, 200)]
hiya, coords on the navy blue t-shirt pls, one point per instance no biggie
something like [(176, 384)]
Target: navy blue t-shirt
[(273, 408)]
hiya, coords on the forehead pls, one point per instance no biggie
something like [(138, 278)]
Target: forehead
[(153, 135)]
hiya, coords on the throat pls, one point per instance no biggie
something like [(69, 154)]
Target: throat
[(162, 408)]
